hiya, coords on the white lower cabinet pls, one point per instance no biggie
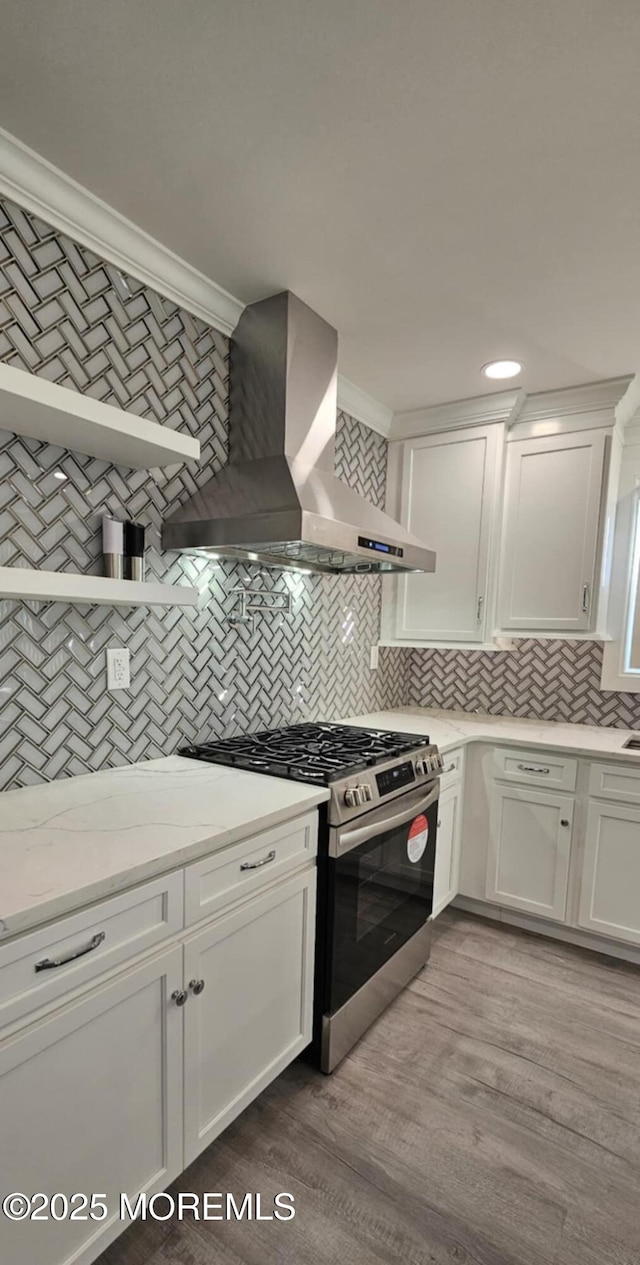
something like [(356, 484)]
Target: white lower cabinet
[(255, 1011), (138, 1069), (447, 867), (91, 1101), (529, 850), (610, 888)]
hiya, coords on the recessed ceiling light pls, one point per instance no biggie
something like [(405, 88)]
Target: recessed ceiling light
[(502, 369)]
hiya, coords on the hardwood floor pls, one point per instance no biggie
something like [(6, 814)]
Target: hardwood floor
[(492, 1115)]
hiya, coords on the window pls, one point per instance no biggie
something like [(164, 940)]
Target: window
[(621, 658), (631, 658)]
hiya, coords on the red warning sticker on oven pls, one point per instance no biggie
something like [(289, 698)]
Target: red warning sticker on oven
[(418, 835)]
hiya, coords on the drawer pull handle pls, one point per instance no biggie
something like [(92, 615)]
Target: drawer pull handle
[(49, 964), (196, 986), (179, 996), (451, 768), (255, 865), (531, 768)]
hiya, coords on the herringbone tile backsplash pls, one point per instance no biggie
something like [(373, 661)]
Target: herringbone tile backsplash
[(545, 680), (69, 317)]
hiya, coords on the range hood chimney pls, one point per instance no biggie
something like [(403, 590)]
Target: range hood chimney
[(278, 501)]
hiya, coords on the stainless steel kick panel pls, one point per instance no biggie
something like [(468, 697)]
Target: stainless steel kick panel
[(345, 1026)]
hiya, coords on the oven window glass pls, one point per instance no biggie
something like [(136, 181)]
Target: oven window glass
[(383, 884), (381, 893)]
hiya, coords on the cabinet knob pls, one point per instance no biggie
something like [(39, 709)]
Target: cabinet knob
[(179, 996), (196, 986), (564, 821)]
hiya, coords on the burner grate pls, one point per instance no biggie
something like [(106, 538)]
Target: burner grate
[(316, 753)]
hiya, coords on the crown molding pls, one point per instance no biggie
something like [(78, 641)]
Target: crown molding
[(479, 410), (43, 189), (594, 404), (46, 191), (591, 397), (354, 401), (627, 413)]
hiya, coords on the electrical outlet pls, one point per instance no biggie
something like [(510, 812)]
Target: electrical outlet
[(118, 672), (373, 658)]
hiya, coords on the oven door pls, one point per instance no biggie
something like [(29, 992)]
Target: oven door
[(380, 888)]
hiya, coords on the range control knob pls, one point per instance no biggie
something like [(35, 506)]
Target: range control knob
[(422, 766), (355, 796)]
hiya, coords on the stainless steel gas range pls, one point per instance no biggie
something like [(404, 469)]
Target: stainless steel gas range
[(376, 860)]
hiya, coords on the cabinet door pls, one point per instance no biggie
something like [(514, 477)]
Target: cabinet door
[(448, 497), (254, 1013), (91, 1101), (445, 885), (609, 900), (550, 532), (529, 847)]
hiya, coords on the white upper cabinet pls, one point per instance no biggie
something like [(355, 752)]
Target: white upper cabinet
[(550, 536), (448, 500)]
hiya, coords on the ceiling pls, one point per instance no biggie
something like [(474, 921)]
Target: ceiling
[(446, 181)]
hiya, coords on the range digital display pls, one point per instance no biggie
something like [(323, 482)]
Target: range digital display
[(391, 779), (379, 546)]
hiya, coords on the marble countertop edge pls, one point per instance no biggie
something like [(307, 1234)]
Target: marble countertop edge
[(56, 858)]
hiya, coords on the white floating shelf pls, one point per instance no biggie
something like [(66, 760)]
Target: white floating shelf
[(43, 410), (90, 590)]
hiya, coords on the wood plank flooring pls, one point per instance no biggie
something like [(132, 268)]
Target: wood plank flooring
[(491, 1116)]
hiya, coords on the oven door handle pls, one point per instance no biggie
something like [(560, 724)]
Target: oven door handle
[(355, 835)]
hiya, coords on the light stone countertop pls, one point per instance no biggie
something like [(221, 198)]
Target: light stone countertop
[(450, 729), (66, 843)]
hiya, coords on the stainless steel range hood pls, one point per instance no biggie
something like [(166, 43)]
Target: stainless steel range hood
[(278, 501)]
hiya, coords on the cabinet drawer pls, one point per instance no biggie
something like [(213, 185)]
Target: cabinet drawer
[(534, 768), (40, 967), (245, 867), (615, 781), (453, 768)]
